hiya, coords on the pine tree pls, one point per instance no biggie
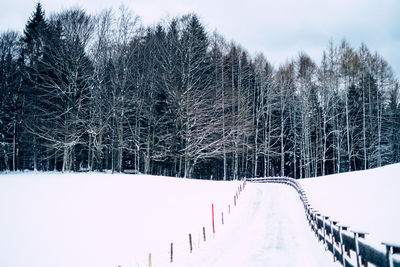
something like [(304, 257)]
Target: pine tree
[(35, 34), (10, 103)]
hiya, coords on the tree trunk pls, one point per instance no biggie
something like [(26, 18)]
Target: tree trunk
[(147, 158), (65, 159), (89, 158), (55, 160), (187, 168), (348, 128), (223, 121), (256, 151), (35, 154), (379, 110), (364, 124), (282, 146), (120, 145), (14, 145)]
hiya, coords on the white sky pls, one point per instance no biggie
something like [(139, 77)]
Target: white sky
[(280, 29)]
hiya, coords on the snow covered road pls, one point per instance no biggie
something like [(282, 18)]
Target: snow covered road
[(269, 228)]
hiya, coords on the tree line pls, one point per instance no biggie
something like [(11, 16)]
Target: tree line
[(103, 92)]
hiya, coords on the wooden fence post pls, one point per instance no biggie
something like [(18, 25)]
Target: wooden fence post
[(332, 222), (390, 250), (323, 229), (341, 228), (311, 211), (149, 259), (213, 224), (389, 256), (308, 212), (358, 235), (172, 252), (190, 243), (316, 214)]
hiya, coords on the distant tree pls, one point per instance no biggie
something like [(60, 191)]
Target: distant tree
[(306, 83), (240, 121), (64, 79), (328, 95), (285, 87), (10, 103), (123, 85), (103, 92), (385, 83), (391, 124), (32, 52), (263, 88), (99, 117), (194, 107)]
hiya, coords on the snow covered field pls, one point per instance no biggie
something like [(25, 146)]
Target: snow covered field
[(364, 200), (109, 220), (96, 219)]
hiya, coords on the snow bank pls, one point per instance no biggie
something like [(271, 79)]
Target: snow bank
[(364, 200)]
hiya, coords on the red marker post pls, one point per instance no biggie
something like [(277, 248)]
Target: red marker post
[(213, 225)]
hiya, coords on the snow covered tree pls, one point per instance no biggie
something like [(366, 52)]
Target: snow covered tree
[(99, 116), (64, 78), (103, 92)]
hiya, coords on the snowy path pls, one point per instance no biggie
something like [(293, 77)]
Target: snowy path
[(270, 229)]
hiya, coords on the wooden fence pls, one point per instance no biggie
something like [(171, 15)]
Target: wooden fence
[(190, 246), (348, 247)]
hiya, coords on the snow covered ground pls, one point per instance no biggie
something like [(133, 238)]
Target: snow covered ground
[(364, 200), (269, 228), (95, 219)]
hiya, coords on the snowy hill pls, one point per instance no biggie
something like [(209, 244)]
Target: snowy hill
[(96, 219), (99, 219), (365, 200)]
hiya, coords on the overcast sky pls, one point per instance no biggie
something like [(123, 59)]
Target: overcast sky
[(277, 28)]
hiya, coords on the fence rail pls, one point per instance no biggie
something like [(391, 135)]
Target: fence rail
[(347, 247)]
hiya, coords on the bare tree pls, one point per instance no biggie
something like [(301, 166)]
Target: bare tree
[(285, 79), (64, 79)]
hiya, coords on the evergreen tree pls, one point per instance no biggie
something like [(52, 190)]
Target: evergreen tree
[(34, 38), (10, 103)]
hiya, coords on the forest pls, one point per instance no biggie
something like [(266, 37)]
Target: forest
[(83, 92)]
